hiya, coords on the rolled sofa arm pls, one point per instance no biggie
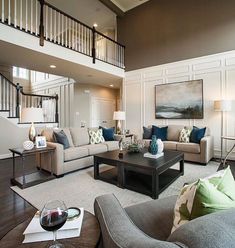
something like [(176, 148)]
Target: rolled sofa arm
[(57, 159), (118, 230), (207, 149)]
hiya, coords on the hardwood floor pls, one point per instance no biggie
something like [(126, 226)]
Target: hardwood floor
[(13, 208)]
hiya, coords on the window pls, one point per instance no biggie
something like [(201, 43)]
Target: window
[(20, 72)]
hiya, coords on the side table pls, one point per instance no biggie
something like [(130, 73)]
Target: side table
[(230, 151), (89, 237), (40, 176)]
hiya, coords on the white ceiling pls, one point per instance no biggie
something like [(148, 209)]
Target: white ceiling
[(88, 12), (126, 5)]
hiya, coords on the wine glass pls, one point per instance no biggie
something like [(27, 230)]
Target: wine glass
[(53, 216)]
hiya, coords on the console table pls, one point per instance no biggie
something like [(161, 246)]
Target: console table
[(31, 179), (230, 151)]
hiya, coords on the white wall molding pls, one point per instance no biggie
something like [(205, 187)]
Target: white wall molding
[(218, 74)]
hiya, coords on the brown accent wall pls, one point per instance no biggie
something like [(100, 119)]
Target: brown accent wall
[(162, 31)]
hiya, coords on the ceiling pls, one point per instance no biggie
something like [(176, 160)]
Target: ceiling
[(33, 60), (88, 12), (126, 5)]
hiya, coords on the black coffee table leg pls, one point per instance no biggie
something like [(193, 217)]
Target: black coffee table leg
[(155, 185), (182, 167), (96, 168)]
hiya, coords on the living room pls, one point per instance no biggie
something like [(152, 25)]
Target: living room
[(177, 86)]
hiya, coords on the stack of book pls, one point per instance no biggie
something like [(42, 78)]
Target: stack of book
[(35, 233)]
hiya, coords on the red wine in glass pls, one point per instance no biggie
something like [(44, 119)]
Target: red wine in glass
[(52, 217)]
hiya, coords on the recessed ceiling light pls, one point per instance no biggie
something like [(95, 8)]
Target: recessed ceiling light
[(53, 66), (95, 25), (111, 85)]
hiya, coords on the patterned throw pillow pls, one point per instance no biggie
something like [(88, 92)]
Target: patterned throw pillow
[(185, 135), (205, 196), (96, 136)]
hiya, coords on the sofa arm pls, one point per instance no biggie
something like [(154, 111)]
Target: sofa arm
[(57, 159), (118, 230), (207, 149)]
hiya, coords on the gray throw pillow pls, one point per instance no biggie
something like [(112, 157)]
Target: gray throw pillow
[(147, 134), (61, 138)]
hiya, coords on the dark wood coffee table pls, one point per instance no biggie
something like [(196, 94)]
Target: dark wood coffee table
[(89, 237), (137, 173)]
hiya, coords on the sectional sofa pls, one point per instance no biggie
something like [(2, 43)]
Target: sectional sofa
[(80, 153)]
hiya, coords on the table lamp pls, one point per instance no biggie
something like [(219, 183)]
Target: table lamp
[(32, 115), (222, 106), (119, 116)]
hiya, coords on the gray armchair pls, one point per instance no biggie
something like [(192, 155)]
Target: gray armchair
[(148, 225)]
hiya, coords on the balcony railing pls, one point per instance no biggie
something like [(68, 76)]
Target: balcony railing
[(47, 22)]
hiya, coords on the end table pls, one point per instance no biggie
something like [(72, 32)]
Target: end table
[(27, 180)]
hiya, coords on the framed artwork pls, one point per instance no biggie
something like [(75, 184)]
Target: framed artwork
[(182, 100), (41, 142)]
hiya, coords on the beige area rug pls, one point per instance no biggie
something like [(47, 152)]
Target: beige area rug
[(80, 189)]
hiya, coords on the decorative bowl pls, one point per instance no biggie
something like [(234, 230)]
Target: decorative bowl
[(28, 145)]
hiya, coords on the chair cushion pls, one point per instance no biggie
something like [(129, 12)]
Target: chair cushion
[(160, 132), (61, 138), (80, 136), (75, 153), (96, 148), (170, 145), (154, 217), (188, 147), (108, 133), (112, 145)]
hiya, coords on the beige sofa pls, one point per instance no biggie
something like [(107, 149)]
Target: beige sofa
[(199, 153), (78, 156)]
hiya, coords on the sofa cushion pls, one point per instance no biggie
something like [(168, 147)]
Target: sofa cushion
[(96, 148), (147, 132), (108, 133), (61, 138), (75, 153), (197, 134), (170, 145), (112, 145), (160, 132), (173, 132), (80, 136), (96, 137), (188, 147)]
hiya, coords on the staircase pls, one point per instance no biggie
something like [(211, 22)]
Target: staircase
[(13, 99)]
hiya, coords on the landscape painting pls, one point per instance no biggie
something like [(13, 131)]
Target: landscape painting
[(183, 100)]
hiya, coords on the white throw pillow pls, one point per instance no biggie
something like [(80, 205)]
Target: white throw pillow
[(185, 135), (96, 136)]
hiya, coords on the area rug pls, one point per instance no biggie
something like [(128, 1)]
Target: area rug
[(80, 189)]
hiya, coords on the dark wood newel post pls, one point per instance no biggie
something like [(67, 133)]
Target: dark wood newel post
[(93, 45), (56, 109), (18, 89), (41, 26)]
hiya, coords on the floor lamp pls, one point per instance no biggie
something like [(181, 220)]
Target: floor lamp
[(222, 106)]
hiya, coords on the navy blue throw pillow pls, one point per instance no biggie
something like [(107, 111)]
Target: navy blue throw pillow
[(61, 138), (147, 134), (197, 134), (108, 133), (160, 132)]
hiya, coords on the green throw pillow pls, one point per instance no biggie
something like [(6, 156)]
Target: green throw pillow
[(205, 196)]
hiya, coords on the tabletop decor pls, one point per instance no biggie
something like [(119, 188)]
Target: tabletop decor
[(28, 145)]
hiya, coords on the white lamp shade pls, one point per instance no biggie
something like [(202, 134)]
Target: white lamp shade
[(119, 115), (32, 115), (222, 105)]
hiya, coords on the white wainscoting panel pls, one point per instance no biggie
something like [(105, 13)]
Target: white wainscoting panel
[(218, 74)]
